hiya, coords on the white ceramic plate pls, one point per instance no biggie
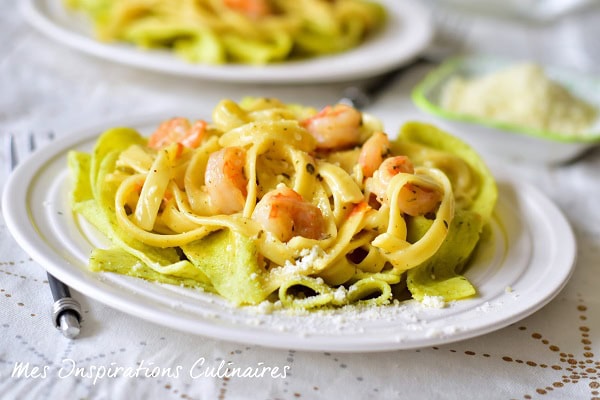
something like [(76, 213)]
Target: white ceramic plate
[(408, 32), (505, 139), (527, 263)]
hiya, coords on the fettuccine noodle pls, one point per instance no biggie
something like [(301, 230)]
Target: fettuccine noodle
[(271, 201), (236, 31)]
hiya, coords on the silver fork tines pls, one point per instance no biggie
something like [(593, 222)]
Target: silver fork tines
[(19, 151)]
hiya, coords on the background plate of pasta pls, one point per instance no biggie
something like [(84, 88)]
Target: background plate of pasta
[(291, 227), (304, 41)]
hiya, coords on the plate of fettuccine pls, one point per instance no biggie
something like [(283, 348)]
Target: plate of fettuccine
[(265, 226), (298, 42)]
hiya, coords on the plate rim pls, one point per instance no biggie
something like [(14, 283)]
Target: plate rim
[(19, 186), (419, 21)]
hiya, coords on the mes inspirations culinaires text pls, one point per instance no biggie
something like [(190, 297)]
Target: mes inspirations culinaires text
[(68, 368)]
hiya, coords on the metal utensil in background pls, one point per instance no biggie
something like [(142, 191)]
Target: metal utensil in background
[(449, 39), (66, 311)]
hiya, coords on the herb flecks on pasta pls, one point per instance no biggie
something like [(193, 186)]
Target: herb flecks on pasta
[(284, 203), (236, 31)]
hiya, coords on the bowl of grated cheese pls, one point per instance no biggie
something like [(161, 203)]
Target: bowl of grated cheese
[(515, 109)]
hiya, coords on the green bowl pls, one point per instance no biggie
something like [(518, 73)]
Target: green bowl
[(501, 138)]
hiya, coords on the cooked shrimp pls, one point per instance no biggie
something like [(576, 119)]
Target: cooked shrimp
[(335, 127), (178, 130), (225, 181), (251, 8), (373, 152), (389, 168), (413, 199), (284, 213), (417, 200), (195, 135)]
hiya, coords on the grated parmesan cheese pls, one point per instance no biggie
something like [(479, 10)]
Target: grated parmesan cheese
[(433, 301), (340, 294), (304, 263), (265, 307), (523, 95)]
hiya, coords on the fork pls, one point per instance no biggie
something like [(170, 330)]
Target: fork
[(448, 40), (66, 311)]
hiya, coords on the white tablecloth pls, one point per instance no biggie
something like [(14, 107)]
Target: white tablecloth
[(553, 354)]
